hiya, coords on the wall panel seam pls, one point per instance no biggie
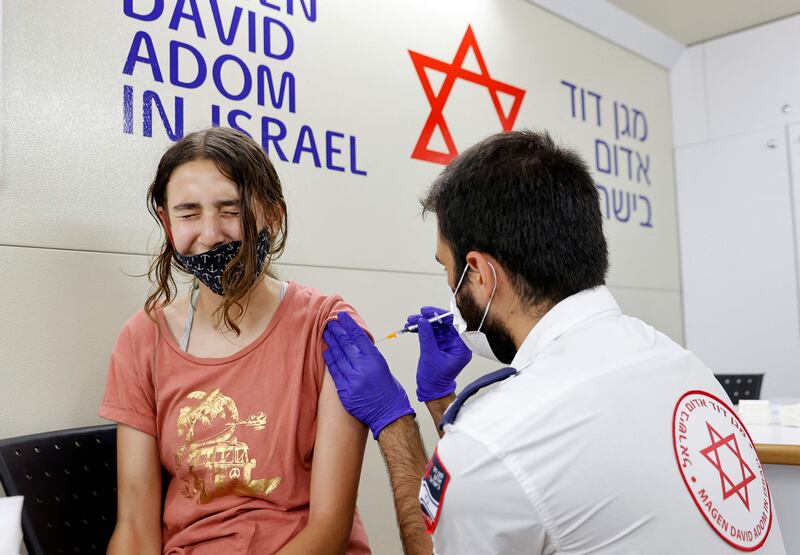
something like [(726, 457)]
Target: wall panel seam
[(327, 267)]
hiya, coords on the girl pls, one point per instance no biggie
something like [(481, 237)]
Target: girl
[(226, 388)]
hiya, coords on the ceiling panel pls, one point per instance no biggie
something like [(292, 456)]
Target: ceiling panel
[(693, 21)]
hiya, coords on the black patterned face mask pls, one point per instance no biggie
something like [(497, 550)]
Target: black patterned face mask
[(208, 266)]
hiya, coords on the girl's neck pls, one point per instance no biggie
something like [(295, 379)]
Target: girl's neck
[(263, 297)]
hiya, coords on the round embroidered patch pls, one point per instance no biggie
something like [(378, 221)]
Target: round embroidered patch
[(720, 467)]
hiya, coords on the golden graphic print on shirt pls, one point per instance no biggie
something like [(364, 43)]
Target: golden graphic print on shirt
[(212, 462)]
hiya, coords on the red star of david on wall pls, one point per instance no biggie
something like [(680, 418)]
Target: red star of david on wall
[(456, 70), (711, 453)]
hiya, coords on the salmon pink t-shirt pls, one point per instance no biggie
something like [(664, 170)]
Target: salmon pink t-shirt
[(236, 434)]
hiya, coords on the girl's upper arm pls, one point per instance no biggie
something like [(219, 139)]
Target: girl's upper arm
[(338, 454)]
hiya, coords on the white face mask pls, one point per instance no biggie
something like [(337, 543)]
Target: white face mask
[(477, 341)]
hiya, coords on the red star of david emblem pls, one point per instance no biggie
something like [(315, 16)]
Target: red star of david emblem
[(712, 454), (456, 70)]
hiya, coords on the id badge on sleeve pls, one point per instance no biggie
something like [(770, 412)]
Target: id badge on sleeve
[(432, 490)]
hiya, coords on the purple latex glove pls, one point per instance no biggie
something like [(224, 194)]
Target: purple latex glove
[(442, 354), (366, 386)]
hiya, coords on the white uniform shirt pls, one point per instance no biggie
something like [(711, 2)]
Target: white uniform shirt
[(576, 453)]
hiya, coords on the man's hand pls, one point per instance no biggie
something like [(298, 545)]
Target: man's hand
[(442, 354), (366, 386)]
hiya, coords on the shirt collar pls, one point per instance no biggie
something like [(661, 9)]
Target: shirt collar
[(570, 312)]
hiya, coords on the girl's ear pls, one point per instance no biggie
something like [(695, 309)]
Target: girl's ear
[(271, 221), (165, 221)]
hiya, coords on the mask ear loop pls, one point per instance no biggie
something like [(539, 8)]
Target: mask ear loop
[(486, 312), (464, 273)]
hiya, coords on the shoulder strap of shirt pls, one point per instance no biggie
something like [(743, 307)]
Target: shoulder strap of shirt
[(493, 377), (187, 325)]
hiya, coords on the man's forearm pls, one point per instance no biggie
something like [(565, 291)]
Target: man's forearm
[(437, 408), (404, 454)]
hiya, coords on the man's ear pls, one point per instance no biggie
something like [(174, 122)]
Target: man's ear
[(485, 278)]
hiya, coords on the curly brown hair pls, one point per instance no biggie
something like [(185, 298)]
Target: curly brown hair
[(243, 161)]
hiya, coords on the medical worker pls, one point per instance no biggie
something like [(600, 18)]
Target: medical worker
[(597, 434)]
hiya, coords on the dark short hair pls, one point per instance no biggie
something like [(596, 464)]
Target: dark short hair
[(529, 203)]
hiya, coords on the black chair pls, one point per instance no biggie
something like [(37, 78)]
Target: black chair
[(741, 386), (69, 480)]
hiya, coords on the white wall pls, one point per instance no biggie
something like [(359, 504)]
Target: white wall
[(737, 156), (72, 180)]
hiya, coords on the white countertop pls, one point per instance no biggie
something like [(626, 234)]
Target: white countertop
[(775, 434)]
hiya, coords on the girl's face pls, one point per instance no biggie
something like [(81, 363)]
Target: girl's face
[(202, 208)]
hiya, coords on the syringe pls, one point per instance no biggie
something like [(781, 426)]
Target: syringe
[(414, 327)]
